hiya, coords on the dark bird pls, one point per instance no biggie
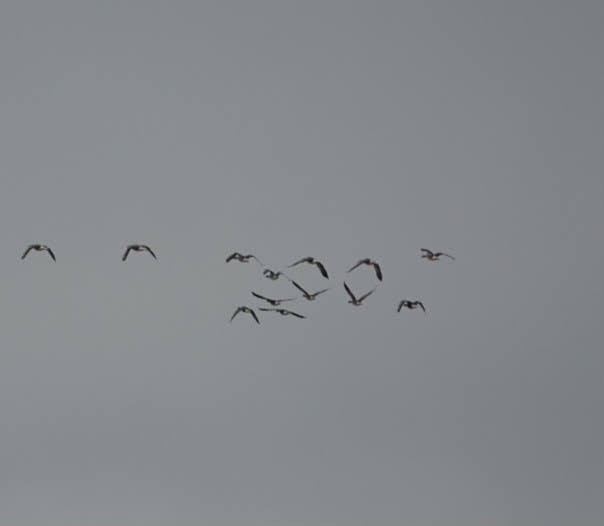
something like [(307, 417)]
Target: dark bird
[(353, 300), (245, 309), (243, 258), (410, 305), (307, 295), (137, 248), (39, 248), (367, 261), (271, 274), (434, 256), (283, 312), (273, 302), (312, 261)]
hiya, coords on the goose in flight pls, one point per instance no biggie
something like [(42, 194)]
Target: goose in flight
[(283, 312), (434, 256), (274, 303), (138, 248), (410, 305), (271, 274), (307, 295), (312, 261), (353, 300), (243, 308), (243, 258), (368, 261), (39, 248)]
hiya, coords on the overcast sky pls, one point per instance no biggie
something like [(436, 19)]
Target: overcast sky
[(332, 128)]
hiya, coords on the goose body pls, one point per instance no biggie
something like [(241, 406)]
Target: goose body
[(434, 256), (307, 295), (410, 305)]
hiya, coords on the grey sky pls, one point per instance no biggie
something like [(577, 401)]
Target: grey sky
[(339, 129)]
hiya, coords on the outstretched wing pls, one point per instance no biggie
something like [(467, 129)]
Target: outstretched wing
[(126, 253), (299, 288), (258, 260), (429, 252), (260, 296), (378, 271), (295, 314), (52, 255), (232, 256), (251, 311), (146, 247), (349, 292), (320, 292), (27, 250), (366, 295), (421, 305), (237, 311), (360, 262), (322, 269), (400, 306), (303, 260), (447, 255), (266, 309)]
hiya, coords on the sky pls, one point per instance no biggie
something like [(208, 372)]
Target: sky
[(335, 129)]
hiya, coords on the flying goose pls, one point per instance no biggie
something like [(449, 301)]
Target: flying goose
[(273, 302), (368, 261), (312, 261), (353, 300), (243, 258), (283, 312), (434, 256), (271, 274), (308, 296), (39, 248), (138, 248), (243, 308), (410, 305)]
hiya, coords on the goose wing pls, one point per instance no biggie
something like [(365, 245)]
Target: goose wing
[(232, 256), (261, 297), (378, 271), (237, 311), (320, 292), (303, 260), (366, 295), (251, 311), (421, 305), (148, 249), (349, 292), (400, 305), (295, 314), (322, 269), (299, 288), (51, 253), (358, 264), (425, 250), (128, 249), (447, 255), (27, 251)]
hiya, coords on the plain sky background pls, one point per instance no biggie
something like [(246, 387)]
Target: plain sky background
[(339, 129)]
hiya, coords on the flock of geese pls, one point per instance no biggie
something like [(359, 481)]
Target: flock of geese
[(275, 304)]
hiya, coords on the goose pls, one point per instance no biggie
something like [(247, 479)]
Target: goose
[(273, 302), (243, 308), (243, 258), (410, 305), (39, 248), (271, 274), (138, 248), (312, 261), (283, 312), (307, 295), (368, 261), (434, 256), (353, 300)]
